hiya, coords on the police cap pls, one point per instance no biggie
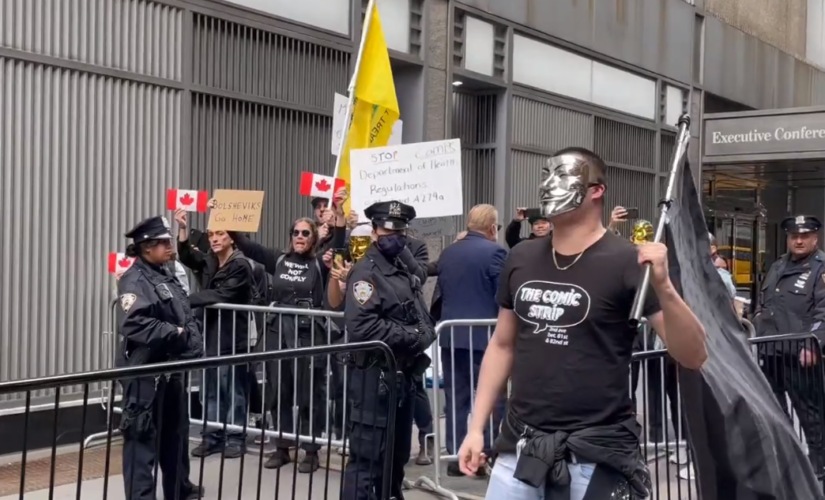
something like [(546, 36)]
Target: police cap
[(801, 224), (392, 215), (153, 228)]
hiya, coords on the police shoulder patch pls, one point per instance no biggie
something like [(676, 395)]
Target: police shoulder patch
[(127, 300), (362, 290)]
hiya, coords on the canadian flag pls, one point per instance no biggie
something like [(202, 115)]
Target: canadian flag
[(320, 186), (191, 201), (119, 262)]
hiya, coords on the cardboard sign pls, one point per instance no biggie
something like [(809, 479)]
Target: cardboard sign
[(339, 118), (432, 228), (426, 175), (236, 211)]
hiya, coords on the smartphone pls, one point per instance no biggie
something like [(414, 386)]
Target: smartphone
[(632, 213), (531, 213), (338, 256)]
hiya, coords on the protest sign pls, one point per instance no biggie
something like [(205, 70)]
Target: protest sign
[(426, 175), (236, 210), (439, 227), (339, 118)]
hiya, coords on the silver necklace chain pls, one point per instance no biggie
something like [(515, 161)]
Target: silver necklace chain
[(565, 268)]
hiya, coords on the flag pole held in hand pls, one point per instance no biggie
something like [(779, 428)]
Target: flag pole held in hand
[(682, 139)]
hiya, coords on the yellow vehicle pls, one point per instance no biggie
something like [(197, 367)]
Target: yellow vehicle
[(740, 263)]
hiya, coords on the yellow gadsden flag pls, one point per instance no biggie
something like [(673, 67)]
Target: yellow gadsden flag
[(375, 109)]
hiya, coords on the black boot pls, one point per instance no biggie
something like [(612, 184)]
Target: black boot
[(194, 493), (278, 459), (310, 463)]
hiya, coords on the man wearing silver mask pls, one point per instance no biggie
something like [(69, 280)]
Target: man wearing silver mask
[(564, 341)]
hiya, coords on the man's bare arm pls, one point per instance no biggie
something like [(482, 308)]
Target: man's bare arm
[(495, 369)]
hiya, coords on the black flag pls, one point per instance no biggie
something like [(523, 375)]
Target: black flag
[(744, 445)]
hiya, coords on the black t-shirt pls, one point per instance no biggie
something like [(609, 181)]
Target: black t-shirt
[(296, 278), (573, 348)]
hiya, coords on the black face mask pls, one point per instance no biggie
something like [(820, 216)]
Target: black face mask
[(391, 245)]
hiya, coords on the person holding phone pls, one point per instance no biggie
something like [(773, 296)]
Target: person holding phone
[(621, 214), (539, 226)]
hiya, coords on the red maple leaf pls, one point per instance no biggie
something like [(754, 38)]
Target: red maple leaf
[(124, 262), (186, 199), (322, 185)]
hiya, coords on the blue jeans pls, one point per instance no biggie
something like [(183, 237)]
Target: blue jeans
[(504, 485), (232, 403)]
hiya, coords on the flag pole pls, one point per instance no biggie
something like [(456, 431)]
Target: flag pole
[(351, 89), (682, 139)]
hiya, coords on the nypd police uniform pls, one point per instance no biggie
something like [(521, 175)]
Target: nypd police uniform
[(383, 302), (792, 300), (156, 325)]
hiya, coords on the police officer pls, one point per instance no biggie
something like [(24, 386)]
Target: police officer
[(156, 325), (793, 301), (384, 302)]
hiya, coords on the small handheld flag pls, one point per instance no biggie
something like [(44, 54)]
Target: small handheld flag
[(320, 186), (119, 262), (186, 199)]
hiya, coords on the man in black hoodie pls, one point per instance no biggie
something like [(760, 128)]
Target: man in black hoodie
[(226, 277)]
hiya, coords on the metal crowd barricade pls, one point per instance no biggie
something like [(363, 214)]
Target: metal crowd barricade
[(260, 320), (66, 473), (795, 371), (657, 401)]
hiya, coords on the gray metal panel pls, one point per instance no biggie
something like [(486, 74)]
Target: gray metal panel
[(630, 188), (745, 69), (242, 145), (475, 123), (82, 158), (132, 35), (255, 62), (538, 125), (652, 34), (666, 152), (478, 172), (474, 118), (622, 144), (525, 172)]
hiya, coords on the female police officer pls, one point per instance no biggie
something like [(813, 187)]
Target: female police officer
[(384, 302), (156, 326)]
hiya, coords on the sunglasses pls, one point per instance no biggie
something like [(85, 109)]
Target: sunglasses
[(303, 232)]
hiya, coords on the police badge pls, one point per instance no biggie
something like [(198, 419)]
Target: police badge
[(127, 300), (362, 291), (395, 210)]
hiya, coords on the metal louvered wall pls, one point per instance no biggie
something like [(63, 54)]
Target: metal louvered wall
[(104, 104), (542, 127), (474, 122), (83, 156), (276, 123)]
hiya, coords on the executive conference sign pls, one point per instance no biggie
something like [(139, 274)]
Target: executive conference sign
[(764, 134)]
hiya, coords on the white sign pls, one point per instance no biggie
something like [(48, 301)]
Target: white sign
[(339, 117), (426, 175), (432, 228)]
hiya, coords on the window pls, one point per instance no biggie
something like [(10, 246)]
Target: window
[(332, 15), (560, 71), (479, 44)]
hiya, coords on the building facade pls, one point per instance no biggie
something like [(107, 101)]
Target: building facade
[(104, 104)]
